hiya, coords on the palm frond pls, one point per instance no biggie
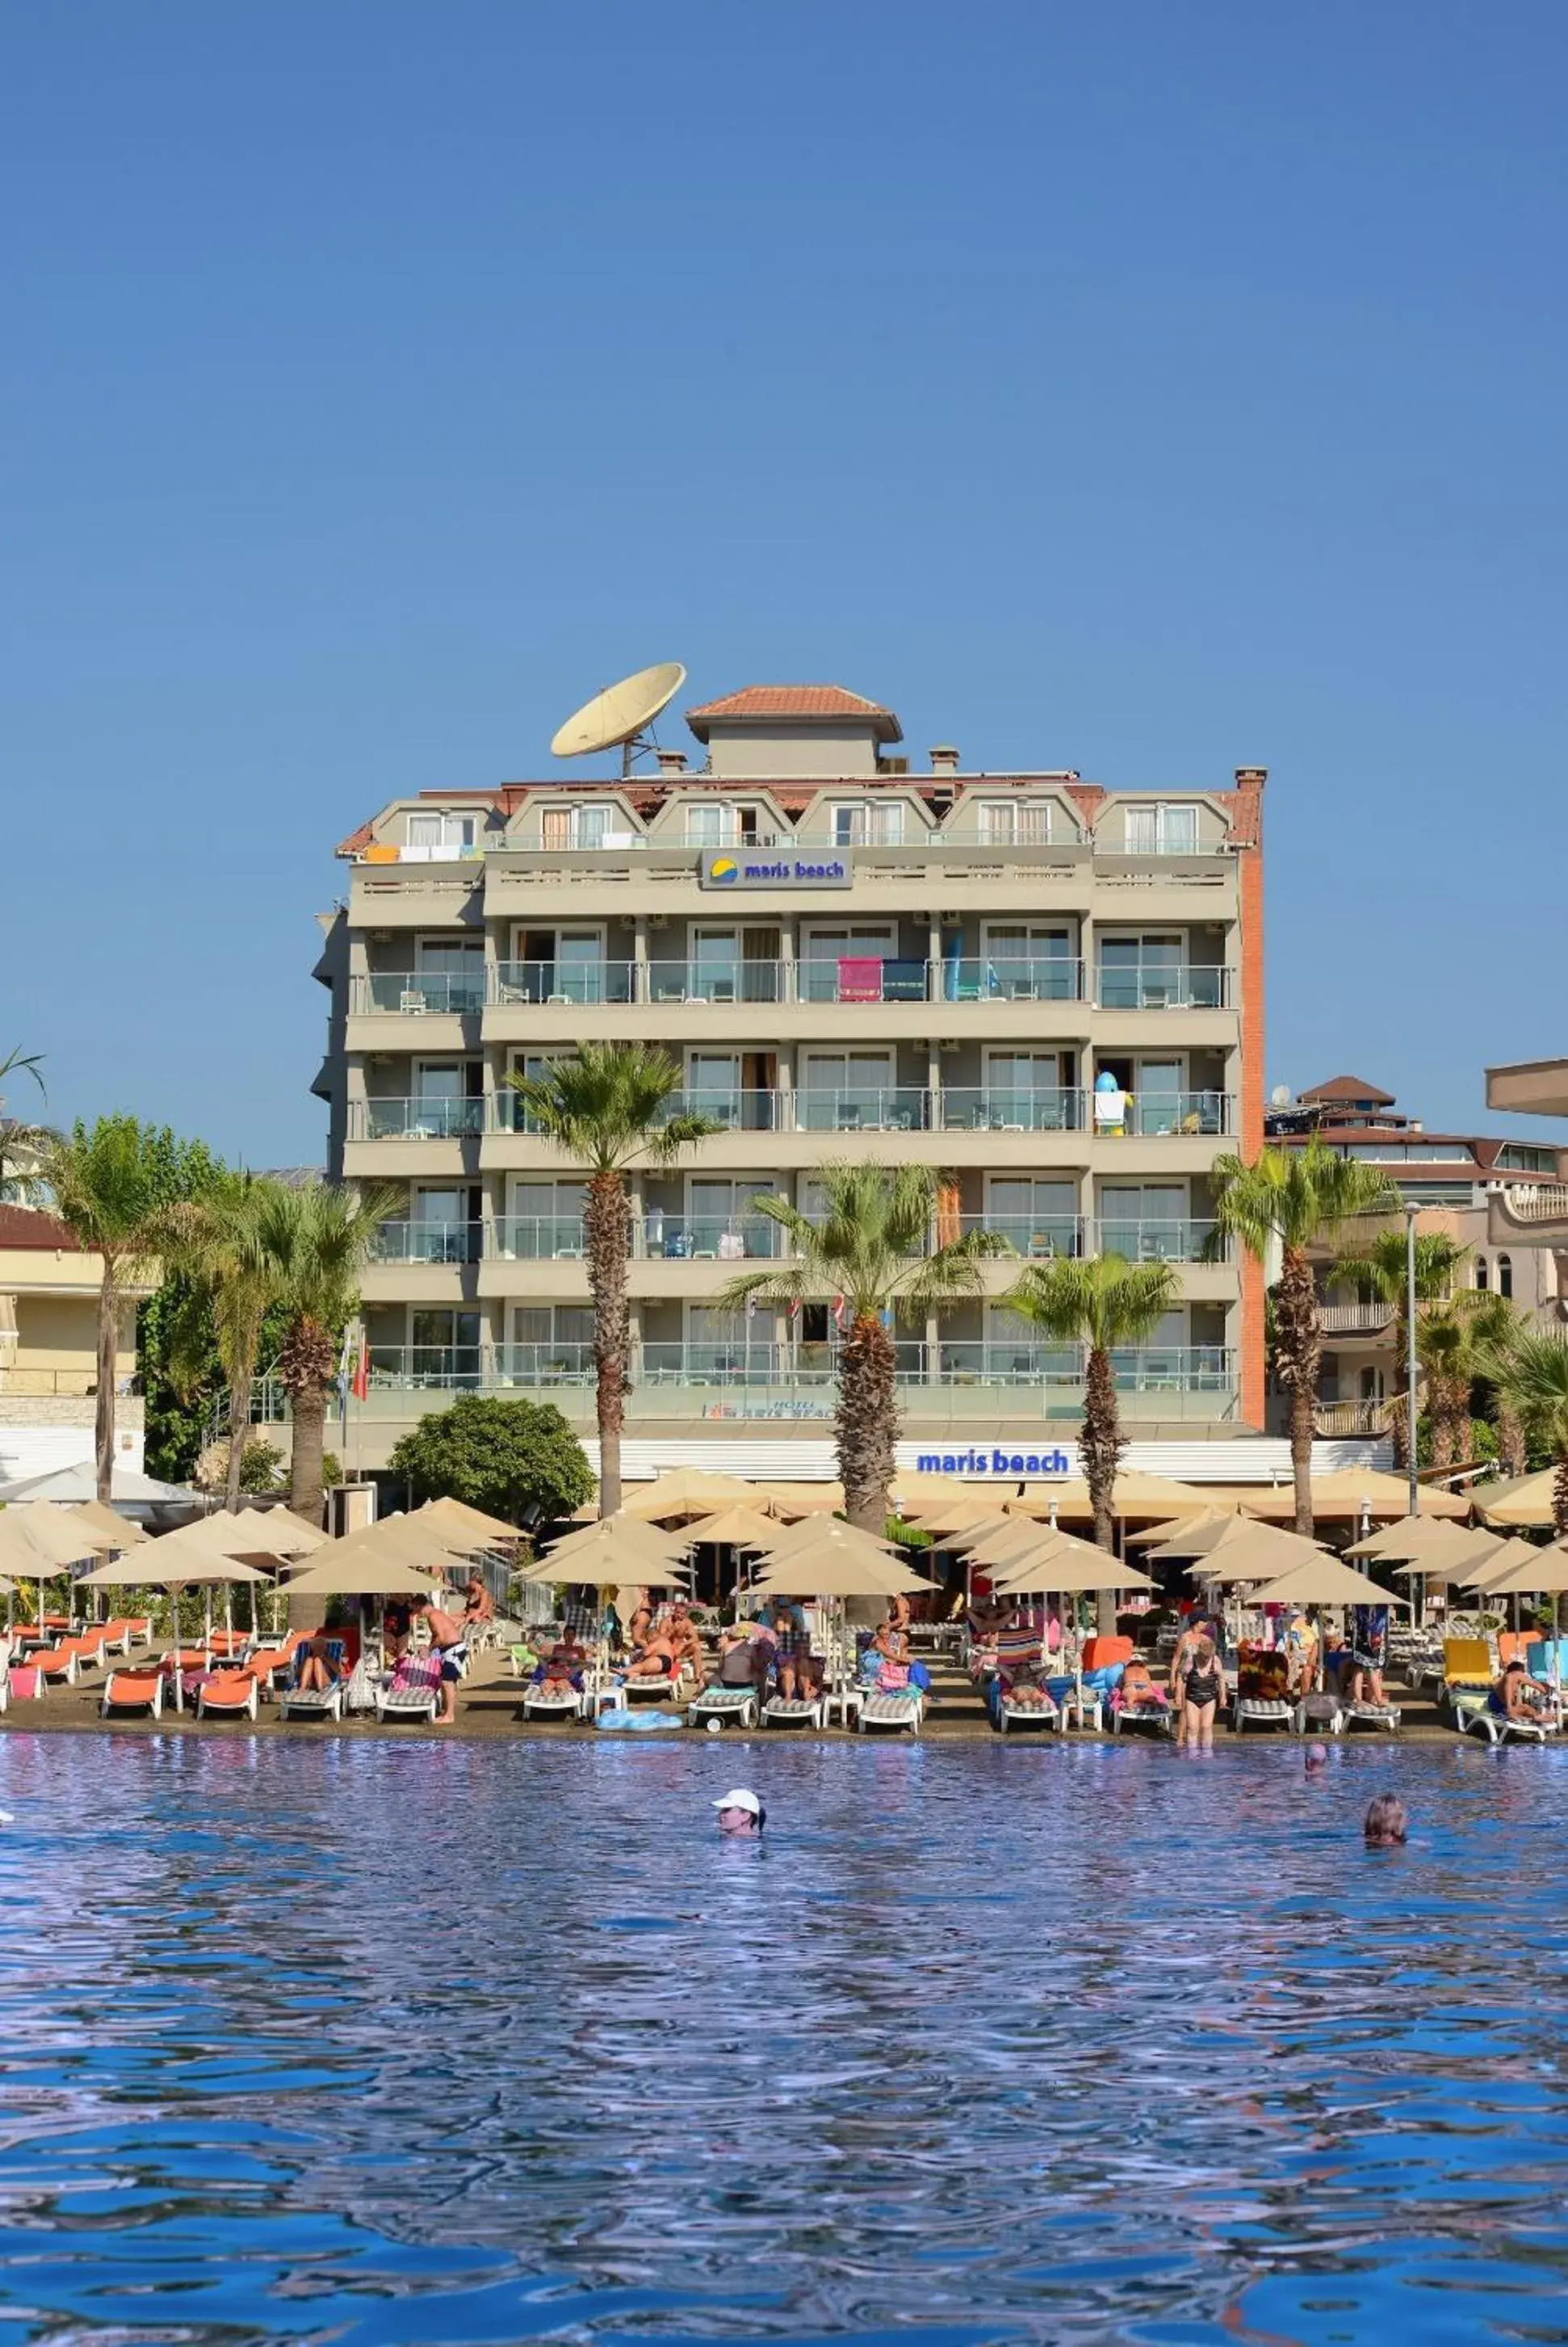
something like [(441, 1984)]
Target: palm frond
[(1102, 1301), (1292, 1197)]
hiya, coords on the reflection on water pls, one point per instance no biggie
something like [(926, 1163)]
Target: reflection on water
[(479, 2043)]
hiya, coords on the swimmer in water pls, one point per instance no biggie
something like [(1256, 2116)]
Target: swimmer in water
[(1386, 1826), (1317, 1759), (740, 1813)]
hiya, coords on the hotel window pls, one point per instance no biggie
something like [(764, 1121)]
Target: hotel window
[(864, 824), (723, 826), (1505, 1275), (1482, 1273), (576, 826), (1015, 823), (1162, 830), (432, 837)]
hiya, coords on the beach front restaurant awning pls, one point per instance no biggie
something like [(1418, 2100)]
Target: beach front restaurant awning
[(1345, 1496), (735, 1527), (688, 1491), (1524, 1500)]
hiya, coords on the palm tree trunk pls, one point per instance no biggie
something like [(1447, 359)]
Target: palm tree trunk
[(239, 1432), (1560, 1499), (1103, 1444), (1298, 1361), (867, 1422), (103, 1406), (309, 1413), (1511, 1447), (607, 1233)]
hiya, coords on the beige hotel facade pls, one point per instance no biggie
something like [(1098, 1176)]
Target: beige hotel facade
[(1048, 991)]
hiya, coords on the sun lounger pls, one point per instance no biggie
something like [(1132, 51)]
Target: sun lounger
[(118, 1635), (228, 1695), (25, 1681), (1474, 1716), (1385, 1715), (1263, 1711), (730, 1706), (552, 1703), (902, 1710), (59, 1665), (1007, 1713), (412, 1692), (1469, 1670), (793, 1711), (312, 1703), (132, 1691), (1160, 1719), (1262, 1698)]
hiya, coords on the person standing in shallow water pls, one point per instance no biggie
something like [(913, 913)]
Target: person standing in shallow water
[(1386, 1826), (740, 1813), (1202, 1691)]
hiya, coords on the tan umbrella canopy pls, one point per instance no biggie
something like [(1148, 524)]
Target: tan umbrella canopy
[(792, 1501), (1494, 1571), (1520, 1500), (1230, 1539), (1324, 1580), (456, 1517), (1007, 1530), (160, 1567), (39, 1530), (1070, 1568), (821, 1536), (356, 1566), (952, 1517), (734, 1527), (1186, 1534), (1015, 1537), (838, 1573), (615, 1551), (1427, 1541), (1347, 1494), (1544, 1571), (124, 1532), (282, 1526), (688, 1491)]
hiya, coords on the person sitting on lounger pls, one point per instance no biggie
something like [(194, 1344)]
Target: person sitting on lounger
[(320, 1663), (560, 1673), (685, 1639), (1138, 1689), (478, 1605), (1022, 1685), (397, 1623), (745, 1658), (792, 1656), (1516, 1696)]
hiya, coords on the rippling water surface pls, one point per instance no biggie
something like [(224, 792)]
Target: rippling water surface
[(365, 2041)]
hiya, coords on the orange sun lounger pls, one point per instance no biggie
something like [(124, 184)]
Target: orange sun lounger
[(228, 1695), (133, 1691)]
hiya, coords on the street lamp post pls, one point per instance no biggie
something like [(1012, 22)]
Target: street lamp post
[(1415, 1495)]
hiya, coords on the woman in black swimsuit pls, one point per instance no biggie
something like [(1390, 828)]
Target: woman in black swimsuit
[(1202, 1690)]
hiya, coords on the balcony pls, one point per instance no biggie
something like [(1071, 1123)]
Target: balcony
[(1162, 1116), (702, 981), (569, 985), (1528, 1213), (1034, 1237), (535, 1238), (1153, 1241), (427, 1243), (377, 1119), (1163, 986), (1007, 978), (896, 1109), (1354, 1320), (418, 993), (418, 1367), (1003, 1107), (699, 982), (905, 1108), (696, 1238), (1341, 1418)]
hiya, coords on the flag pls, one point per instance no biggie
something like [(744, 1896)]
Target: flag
[(795, 1307), (838, 1311), (345, 1354), (751, 1308), (361, 1386)]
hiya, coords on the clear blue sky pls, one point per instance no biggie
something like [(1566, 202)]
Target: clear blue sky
[(1147, 389)]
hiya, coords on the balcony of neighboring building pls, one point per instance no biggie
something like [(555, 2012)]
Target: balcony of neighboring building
[(1528, 1213)]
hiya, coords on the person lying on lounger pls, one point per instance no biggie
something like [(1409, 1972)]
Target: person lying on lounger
[(319, 1664), (654, 1660), (1021, 1686), (560, 1673), (1139, 1691)]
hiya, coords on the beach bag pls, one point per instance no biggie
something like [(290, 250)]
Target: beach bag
[(893, 1678)]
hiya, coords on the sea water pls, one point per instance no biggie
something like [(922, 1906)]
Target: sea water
[(356, 2040)]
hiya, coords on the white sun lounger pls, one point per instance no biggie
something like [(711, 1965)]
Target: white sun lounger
[(407, 1703), (900, 1712), (1009, 1714), (310, 1702), (1263, 1711), (1385, 1715), (728, 1704), (1473, 1714), (793, 1711)]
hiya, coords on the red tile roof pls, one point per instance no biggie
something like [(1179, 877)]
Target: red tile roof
[(755, 702), (29, 1226)]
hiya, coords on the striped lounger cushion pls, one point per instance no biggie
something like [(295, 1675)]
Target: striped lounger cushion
[(900, 1710)]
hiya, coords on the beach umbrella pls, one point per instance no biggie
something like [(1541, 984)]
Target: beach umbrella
[(456, 1516), (1227, 1540), (1518, 1500), (1070, 1568), (1417, 1539), (1186, 1534), (955, 1516), (915, 1488), (1016, 1538), (733, 1527), (123, 1531), (176, 1562), (689, 1492), (351, 1567), (1497, 1573), (615, 1550), (831, 1575), (1134, 1497), (824, 1535), (280, 1531), (1324, 1580), (792, 1501), (38, 1539)]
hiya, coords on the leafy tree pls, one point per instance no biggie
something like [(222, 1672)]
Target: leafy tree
[(23, 1142), (1101, 1302), (1288, 1200), (869, 1245), (232, 1279), (505, 1457), (608, 1108), (1379, 1271), (1459, 1344), (1532, 1377), (318, 1241), (113, 1184)]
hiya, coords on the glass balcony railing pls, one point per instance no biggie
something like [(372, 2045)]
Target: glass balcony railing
[(732, 1111), (1010, 977), (1159, 1115), (853, 978), (897, 1109), (704, 981), (416, 993), (1163, 986), (414, 1366), (415, 1119), (569, 984), (1146, 1241), (427, 1242), (740, 1363), (1034, 1236), (536, 1238), (568, 1364), (690, 1238), (995, 1108)]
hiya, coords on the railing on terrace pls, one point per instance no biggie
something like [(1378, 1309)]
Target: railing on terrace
[(993, 1108), (1163, 986), (899, 1107), (418, 1366), (697, 980), (535, 1238), (955, 1363), (746, 1110), (1162, 1116), (1033, 1237), (378, 1119), (735, 1238), (418, 993), (1153, 1241), (1007, 978), (544, 1365), (1348, 1319), (427, 1242), (573, 984), (1536, 1202), (859, 978), (1342, 1417)]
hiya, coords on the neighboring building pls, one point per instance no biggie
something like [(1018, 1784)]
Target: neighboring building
[(48, 1348), (1048, 990), (1532, 1208), (1460, 1181)]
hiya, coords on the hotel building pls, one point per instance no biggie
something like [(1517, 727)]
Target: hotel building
[(1048, 991)]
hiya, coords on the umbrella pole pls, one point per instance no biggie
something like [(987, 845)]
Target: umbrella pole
[(178, 1680)]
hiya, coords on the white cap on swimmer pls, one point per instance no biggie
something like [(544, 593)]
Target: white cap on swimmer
[(740, 1800)]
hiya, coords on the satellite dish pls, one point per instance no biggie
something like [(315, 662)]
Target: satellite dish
[(619, 714), (1280, 1096)]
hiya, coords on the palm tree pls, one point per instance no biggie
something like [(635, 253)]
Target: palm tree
[(608, 1108), (1101, 1301), (107, 1187), (1461, 1345), (869, 1244), (22, 1142), (221, 1243), (317, 1241), (1534, 1378), (1288, 1200), (1379, 1270)]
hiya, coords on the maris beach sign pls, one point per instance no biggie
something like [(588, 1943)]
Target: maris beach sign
[(995, 1462), (739, 870)]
